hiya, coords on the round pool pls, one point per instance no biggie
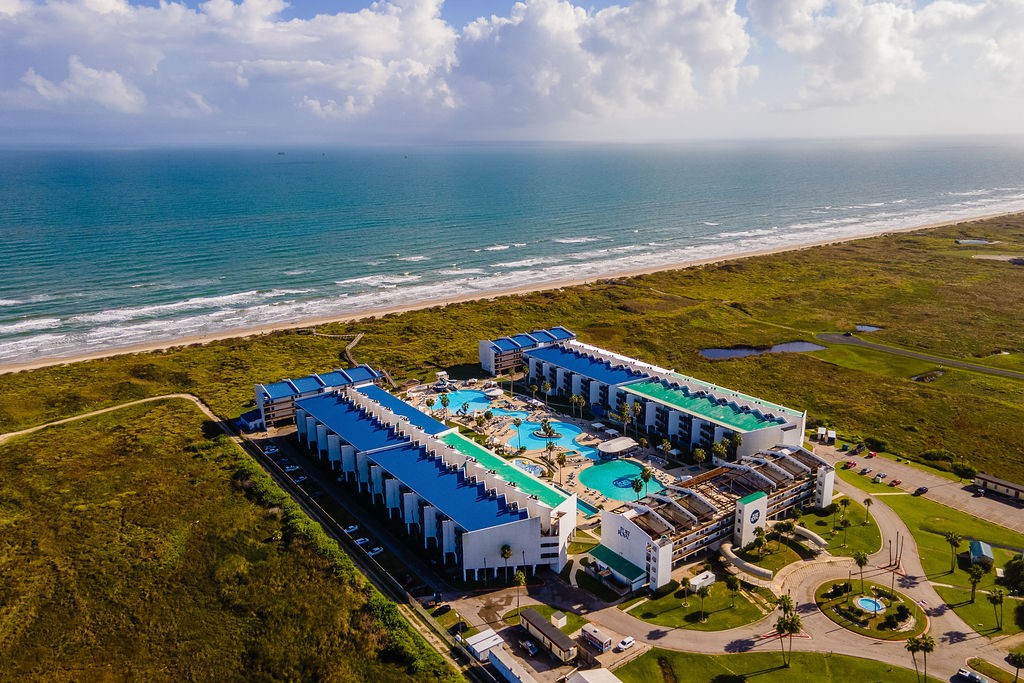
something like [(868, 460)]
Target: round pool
[(614, 479), (870, 605), (566, 441)]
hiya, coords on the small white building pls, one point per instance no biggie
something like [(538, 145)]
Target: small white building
[(481, 644)]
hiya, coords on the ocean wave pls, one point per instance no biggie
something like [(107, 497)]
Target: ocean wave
[(379, 280), (497, 247), (293, 273), (32, 325), (710, 224), (576, 240), (413, 258), (529, 262), (114, 315), (11, 302)]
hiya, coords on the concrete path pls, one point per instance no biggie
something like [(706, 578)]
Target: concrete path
[(831, 338)]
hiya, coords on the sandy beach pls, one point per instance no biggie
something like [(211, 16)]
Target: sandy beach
[(476, 296)]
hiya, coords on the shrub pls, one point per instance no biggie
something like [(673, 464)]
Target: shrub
[(902, 612), (937, 454), (873, 443), (670, 587)]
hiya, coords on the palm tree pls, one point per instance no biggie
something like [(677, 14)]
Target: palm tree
[(533, 390), (954, 540), (445, 402), (703, 592), (506, 554), (546, 388), (788, 625), (996, 598), (860, 558), (699, 456), (927, 647), (519, 435), (638, 486), (735, 441), (845, 523), (974, 574), (512, 379), (785, 528), (913, 646), (646, 475), (637, 414), (785, 603), (519, 580), (666, 446), (868, 502), (1016, 660), (733, 584), (719, 450), (430, 404), (684, 583), (844, 503), (760, 540), (625, 415), (560, 459), (643, 442), (465, 407)]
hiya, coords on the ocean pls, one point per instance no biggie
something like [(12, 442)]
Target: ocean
[(106, 249)]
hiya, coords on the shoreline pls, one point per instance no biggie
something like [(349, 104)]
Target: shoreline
[(254, 331)]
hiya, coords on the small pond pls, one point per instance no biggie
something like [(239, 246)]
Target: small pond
[(870, 605), (868, 328), (744, 351)]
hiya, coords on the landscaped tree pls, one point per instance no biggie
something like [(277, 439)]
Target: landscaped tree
[(785, 528), (560, 459), (844, 503), (860, 558), (517, 423), (735, 441), (625, 416), (638, 411), (733, 584), (684, 584), (546, 388), (996, 599), (638, 486), (868, 502), (512, 379), (788, 625), (430, 404), (703, 592), (666, 446), (759, 544), (699, 456), (445, 402), (549, 449), (646, 475), (643, 442), (833, 510), (533, 390), (954, 540), (1016, 660), (927, 647), (465, 407), (785, 603), (506, 554), (845, 523), (720, 450), (519, 580), (974, 574), (913, 646)]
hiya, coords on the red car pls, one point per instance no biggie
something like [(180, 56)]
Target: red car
[(872, 454), (849, 464), (895, 482)]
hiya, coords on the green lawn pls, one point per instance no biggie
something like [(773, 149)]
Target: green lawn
[(668, 610), (595, 587), (979, 615), (928, 521), (764, 667), (573, 621), (776, 555), (872, 629), (859, 536), (863, 481), (143, 542), (452, 621), (992, 672)]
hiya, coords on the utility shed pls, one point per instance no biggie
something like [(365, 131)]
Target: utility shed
[(981, 553), (556, 642), (509, 667)]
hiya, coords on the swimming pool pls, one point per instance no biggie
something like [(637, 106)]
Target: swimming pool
[(476, 400), (527, 466), (870, 605), (567, 440), (586, 508), (615, 479)]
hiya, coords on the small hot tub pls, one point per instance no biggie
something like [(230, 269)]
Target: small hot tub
[(870, 605)]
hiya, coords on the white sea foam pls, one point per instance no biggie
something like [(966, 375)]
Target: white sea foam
[(10, 302), (413, 258), (529, 262), (710, 224), (497, 247), (576, 240), (380, 280), (30, 325), (293, 273)]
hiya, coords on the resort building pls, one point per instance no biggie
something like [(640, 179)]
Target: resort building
[(498, 356), (725, 505), (466, 503), (688, 412), (986, 483), (276, 402)]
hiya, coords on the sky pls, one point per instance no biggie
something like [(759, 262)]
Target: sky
[(270, 72)]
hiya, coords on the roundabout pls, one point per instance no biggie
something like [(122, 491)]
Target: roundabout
[(876, 611)]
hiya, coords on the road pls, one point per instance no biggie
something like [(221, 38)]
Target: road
[(831, 338)]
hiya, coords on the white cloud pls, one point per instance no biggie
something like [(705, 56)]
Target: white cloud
[(83, 85)]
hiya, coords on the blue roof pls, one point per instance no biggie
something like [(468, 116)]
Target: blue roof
[(524, 340), (307, 384), (574, 361), (561, 333), (981, 549), (400, 407), (349, 422), (279, 390), (362, 373), (543, 336), (505, 344), (466, 503)]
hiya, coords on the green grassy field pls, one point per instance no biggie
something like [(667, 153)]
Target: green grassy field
[(765, 667), (776, 555), (924, 292), (979, 614), (859, 536), (719, 614), (872, 628), (573, 621), (141, 543)]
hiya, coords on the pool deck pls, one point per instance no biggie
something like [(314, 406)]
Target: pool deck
[(502, 431)]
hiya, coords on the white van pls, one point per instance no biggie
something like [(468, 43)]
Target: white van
[(626, 643)]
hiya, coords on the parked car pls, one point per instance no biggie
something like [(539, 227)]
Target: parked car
[(880, 476), (971, 676), (291, 468), (865, 470), (895, 482), (872, 454), (271, 450), (626, 643), (283, 461), (850, 464), (530, 648), (351, 529), (376, 551), (362, 541), (921, 490), (299, 479)]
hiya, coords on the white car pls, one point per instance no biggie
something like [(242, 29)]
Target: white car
[(352, 529), (271, 450), (626, 643), (971, 676), (291, 468), (376, 551), (362, 541), (300, 479)]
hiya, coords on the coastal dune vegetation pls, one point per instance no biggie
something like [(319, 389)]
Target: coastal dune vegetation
[(924, 291)]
